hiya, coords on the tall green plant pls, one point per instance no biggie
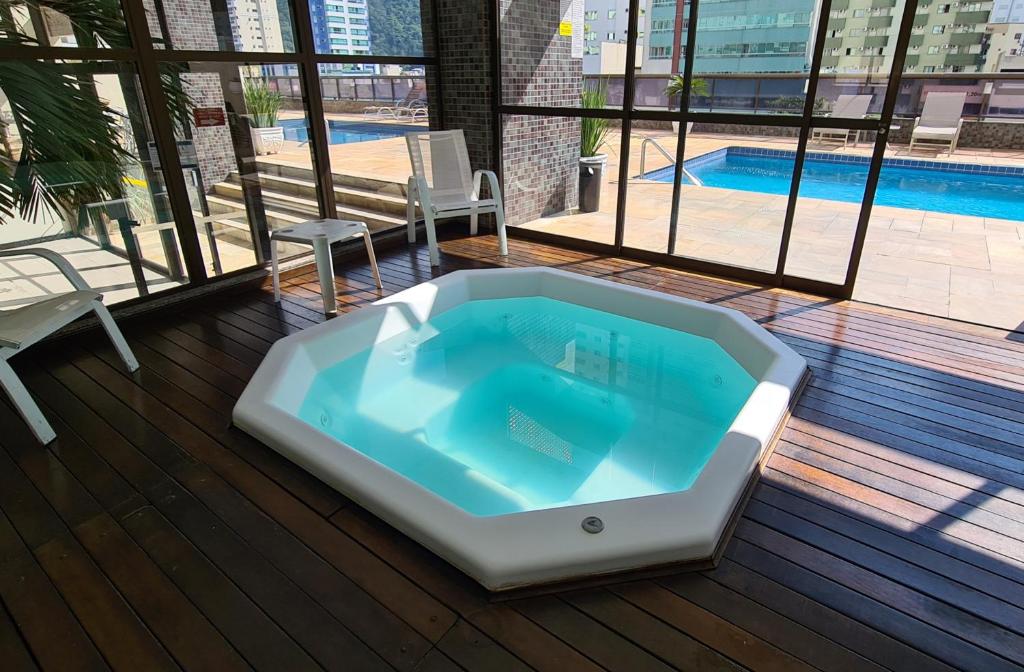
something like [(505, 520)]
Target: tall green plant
[(593, 131), (262, 103)]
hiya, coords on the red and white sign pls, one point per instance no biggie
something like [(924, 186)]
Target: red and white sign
[(209, 116)]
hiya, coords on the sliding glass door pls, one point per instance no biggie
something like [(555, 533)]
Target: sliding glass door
[(743, 137)]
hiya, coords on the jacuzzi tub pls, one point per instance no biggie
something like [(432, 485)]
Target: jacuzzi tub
[(533, 425)]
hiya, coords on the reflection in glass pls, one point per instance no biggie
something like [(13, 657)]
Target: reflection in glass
[(222, 25), (88, 183), (248, 162), (62, 24)]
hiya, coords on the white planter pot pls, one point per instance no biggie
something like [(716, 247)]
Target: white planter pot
[(267, 140), (675, 127)]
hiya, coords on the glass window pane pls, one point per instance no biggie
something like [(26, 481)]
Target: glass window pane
[(79, 24), (97, 193), (661, 54), (828, 206), (553, 52), (946, 235), (246, 155), (734, 192), (753, 57), (367, 118), (652, 157), (222, 25), (371, 27), (860, 43), (562, 175)]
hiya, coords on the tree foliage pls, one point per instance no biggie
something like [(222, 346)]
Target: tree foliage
[(395, 27)]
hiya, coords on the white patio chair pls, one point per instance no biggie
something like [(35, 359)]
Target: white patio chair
[(445, 186), (846, 107), (940, 121), (24, 326)]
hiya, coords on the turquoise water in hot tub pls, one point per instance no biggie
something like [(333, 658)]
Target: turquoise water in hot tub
[(509, 405)]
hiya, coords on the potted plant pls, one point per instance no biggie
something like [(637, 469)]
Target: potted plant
[(593, 132), (675, 87), (263, 106)]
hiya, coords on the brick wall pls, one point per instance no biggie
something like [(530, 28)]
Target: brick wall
[(465, 74), (191, 26), (541, 166), (979, 134), (214, 149), (537, 67), (541, 154), (190, 23)]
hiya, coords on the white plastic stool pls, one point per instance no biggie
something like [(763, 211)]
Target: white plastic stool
[(319, 234)]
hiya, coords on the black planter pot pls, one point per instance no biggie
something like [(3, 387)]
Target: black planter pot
[(591, 174)]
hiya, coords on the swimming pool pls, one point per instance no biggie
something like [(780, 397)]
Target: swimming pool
[(957, 188), (533, 425), (345, 132)]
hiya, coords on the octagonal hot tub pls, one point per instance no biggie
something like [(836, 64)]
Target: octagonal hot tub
[(533, 425)]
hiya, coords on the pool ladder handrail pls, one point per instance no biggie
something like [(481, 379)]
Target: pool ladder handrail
[(643, 159)]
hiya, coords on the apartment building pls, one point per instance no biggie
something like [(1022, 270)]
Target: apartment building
[(341, 27), (861, 36), (255, 25), (948, 37), (605, 23)]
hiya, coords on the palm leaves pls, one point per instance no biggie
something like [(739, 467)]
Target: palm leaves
[(593, 130), (70, 146), (71, 149), (261, 103)]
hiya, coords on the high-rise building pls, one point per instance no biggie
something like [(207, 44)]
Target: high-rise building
[(733, 36), (948, 37), (341, 27), (255, 25), (861, 36)]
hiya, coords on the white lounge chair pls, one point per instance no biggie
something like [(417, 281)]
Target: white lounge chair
[(940, 121), (413, 100), (846, 107), (24, 326), (445, 186)]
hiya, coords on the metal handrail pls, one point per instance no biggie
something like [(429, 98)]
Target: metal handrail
[(643, 153), (643, 159)]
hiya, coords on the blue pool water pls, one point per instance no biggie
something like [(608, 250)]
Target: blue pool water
[(344, 132), (509, 405), (901, 186)]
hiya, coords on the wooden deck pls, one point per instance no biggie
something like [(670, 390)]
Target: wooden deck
[(887, 531)]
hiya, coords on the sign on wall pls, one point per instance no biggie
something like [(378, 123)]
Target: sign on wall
[(572, 25), (209, 116)]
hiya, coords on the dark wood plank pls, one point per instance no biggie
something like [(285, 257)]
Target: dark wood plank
[(887, 531)]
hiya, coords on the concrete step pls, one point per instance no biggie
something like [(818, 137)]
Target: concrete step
[(284, 210), (385, 203), (352, 181)]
